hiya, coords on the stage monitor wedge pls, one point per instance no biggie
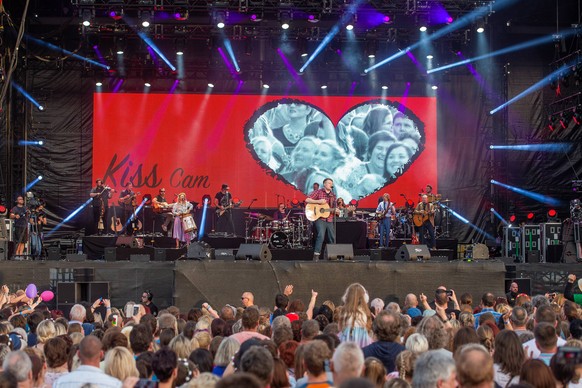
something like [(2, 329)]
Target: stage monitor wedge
[(408, 252), (254, 252), (339, 252)]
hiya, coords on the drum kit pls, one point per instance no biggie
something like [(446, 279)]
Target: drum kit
[(294, 232)]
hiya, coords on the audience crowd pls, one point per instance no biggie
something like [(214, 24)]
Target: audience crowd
[(515, 340)]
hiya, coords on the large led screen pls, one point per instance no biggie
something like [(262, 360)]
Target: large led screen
[(266, 148)]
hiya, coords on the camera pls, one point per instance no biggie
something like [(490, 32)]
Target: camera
[(449, 292), (135, 310), (569, 355)]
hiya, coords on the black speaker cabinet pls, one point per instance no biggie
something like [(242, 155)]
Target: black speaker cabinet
[(139, 258), (339, 252), (554, 253), (110, 253), (54, 253), (76, 257), (533, 256), (160, 254), (412, 252), (200, 250), (253, 252), (4, 249), (129, 242)]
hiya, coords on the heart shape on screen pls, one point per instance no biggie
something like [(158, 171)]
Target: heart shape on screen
[(371, 146)]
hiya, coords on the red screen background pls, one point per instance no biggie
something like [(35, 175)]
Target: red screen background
[(194, 143)]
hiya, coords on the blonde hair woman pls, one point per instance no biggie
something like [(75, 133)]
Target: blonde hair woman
[(180, 210), (119, 363), (181, 345), (355, 318), (45, 331)]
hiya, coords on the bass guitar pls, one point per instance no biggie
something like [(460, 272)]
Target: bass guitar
[(421, 216), (220, 211), (313, 211)]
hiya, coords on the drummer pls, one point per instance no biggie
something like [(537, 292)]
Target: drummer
[(180, 211), (281, 213)]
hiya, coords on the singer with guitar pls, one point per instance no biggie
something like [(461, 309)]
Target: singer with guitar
[(323, 215), (224, 203), (101, 195), (424, 218), (127, 199), (163, 209), (385, 211)]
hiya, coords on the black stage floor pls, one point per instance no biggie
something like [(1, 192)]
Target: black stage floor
[(188, 283)]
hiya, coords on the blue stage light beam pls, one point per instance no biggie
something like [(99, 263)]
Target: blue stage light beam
[(517, 47), (34, 182), (230, 51), (347, 16), (30, 142), (467, 222), (203, 221), (499, 217), (547, 147), (529, 194), (457, 24), (21, 90), (66, 52), (70, 217), (562, 71), (135, 214), (153, 46)]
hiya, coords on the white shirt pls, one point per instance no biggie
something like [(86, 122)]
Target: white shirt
[(532, 351), (86, 374)]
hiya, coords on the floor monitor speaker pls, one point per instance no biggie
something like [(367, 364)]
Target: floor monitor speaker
[(254, 252)]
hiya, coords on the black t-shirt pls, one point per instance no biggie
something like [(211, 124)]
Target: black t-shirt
[(125, 193), (97, 200), (223, 199), (20, 211)]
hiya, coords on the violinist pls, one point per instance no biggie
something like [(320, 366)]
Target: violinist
[(101, 195)]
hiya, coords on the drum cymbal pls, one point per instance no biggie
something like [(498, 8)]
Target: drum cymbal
[(253, 215), (446, 200), (266, 218)]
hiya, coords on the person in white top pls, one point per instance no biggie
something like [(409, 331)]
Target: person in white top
[(90, 353), (542, 314)]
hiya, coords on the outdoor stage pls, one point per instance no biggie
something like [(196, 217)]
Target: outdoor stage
[(187, 283)]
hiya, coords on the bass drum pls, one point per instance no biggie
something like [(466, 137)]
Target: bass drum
[(279, 240)]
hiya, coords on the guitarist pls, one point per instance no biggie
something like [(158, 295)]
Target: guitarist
[(385, 211), (426, 209), (323, 196), (127, 200), (101, 196), (165, 216), (224, 203)]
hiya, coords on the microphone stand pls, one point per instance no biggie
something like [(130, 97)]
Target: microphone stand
[(250, 204)]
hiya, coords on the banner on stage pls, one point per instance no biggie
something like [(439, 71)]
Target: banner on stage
[(268, 148)]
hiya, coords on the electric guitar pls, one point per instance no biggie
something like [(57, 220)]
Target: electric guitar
[(380, 215), (313, 211), (220, 211)]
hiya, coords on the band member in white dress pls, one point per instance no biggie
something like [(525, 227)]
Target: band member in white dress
[(180, 211)]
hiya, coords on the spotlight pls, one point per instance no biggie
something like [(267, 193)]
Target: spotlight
[(480, 27), (324, 86), (39, 177), (266, 86), (115, 14), (147, 84), (40, 142), (98, 83), (210, 85), (423, 28), (552, 215), (181, 14), (480, 30), (40, 107), (434, 87), (512, 218), (349, 27), (384, 87), (220, 19), (371, 47), (312, 18), (429, 56), (180, 43), (530, 216), (87, 15), (386, 19), (145, 17), (285, 17)]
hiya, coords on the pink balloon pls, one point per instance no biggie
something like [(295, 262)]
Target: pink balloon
[(47, 296), (31, 291)]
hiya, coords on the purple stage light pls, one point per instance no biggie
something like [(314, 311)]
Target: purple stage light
[(386, 19), (311, 18), (449, 20), (254, 17)]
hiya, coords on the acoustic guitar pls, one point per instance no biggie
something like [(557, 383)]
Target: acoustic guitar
[(116, 225), (313, 211), (162, 207), (129, 201), (421, 216)]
